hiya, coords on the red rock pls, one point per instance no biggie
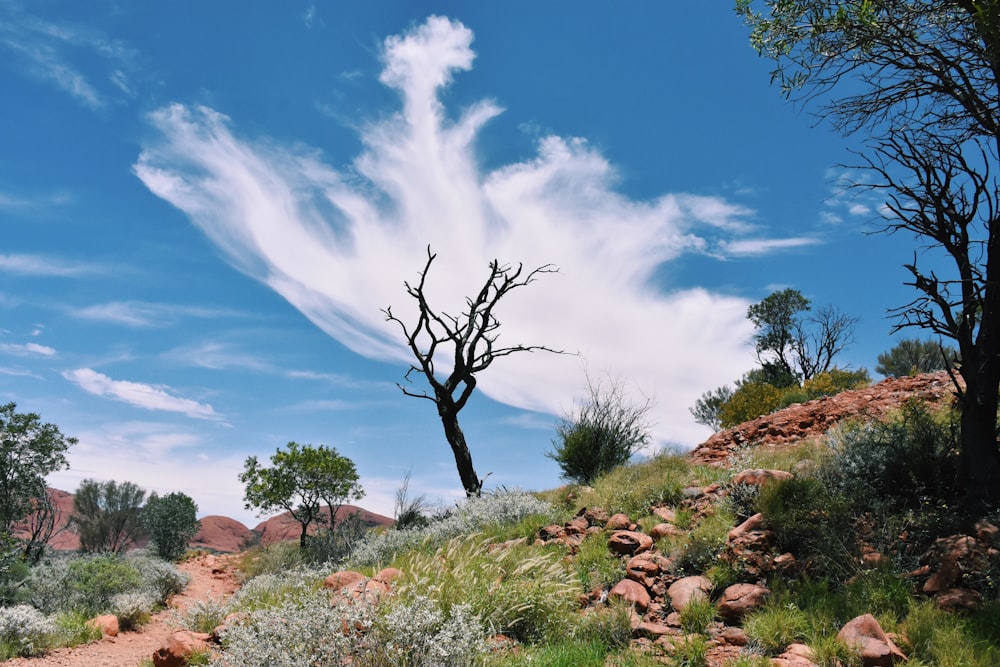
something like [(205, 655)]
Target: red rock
[(732, 636), (283, 528), (760, 477), (958, 600), (652, 630), (666, 514), (220, 533), (632, 592), (596, 516), (683, 591), (661, 530), (345, 579), (179, 647), (107, 624), (618, 522), (627, 542), (645, 568), (739, 599), (388, 575), (552, 532), (864, 634), (756, 522)]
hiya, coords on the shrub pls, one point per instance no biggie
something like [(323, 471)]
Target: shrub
[(73, 629), (417, 632), (302, 631), (897, 461), (133, 608), (601, 435), (912, 356), (24, 631), (750, 401), (94, 580), (811, 522), (171, 522), (474, 514), (107, 515), (203, 615), (269, 559), (159, 577), (334, 546), (274, 590)]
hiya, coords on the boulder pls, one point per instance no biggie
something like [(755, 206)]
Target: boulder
[(865, 635), (739, 599), (646, 567), (958, 600), (760, 476), (665, 513), (388, 575), (652, 630), (732, 636), (629, 542), (683, 591), (662, 530), (179, 647), (632, 592), (754, 523), (107, 624), (618, 522), (349, 579), (595, 516)]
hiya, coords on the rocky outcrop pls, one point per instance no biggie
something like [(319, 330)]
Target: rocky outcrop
[(812, 419), (283, 528), (220, 533)]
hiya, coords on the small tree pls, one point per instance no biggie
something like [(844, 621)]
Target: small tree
[(171, 522), (29, 451), (913, 357), (602, 434), (472, 337), (107, 515), (792, 348), (706, 408), (750, 400), (299, 481)]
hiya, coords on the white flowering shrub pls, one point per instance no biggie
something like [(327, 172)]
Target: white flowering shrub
[(157, 575), (271, 590), (499, 509), (305, 631), (47, 586), (417, 633), (24, 631), (133, 608), (202, 615)]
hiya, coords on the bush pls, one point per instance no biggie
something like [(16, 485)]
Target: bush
[(24, 631), (159, 577), (474, 514), (418, 632), (912, 357), (812, 523), (749, 401), (133, 608), (602, 435), (171, 522), (94, 580), (107, 515)]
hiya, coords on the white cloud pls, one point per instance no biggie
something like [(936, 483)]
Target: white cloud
[(39, 265), (145, 396), (748, 247), (338, 244), (27, 349), (143, 314), (216, 356)]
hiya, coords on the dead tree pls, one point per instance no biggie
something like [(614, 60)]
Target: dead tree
[(472, 339)]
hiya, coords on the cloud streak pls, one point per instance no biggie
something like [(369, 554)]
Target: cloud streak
[(39, 265), (338, 243), (148, 397)]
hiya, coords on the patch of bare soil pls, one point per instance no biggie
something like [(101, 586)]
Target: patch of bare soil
[(212, 576)]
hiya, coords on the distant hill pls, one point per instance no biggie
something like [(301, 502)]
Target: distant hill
[(218, 533)]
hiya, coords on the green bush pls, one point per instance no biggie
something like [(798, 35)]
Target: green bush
[(749, 401), (171, 522), (601, 435), (94, 580), (812, 523)]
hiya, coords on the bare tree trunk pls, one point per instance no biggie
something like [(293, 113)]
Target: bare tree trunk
[(979, 461), (463, 458)]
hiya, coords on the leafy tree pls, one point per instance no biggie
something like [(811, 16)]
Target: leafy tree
[(299, 481), (29, 451), (913, 357), (107, 515), (792, 348), (706, 408), (171, 522), (919, 80), (471, 338), (602, 434)]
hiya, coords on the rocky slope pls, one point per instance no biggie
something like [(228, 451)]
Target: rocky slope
[(800, 421)]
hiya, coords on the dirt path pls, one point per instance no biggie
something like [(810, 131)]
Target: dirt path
[(211, 576)]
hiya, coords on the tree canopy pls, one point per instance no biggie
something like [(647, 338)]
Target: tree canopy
[(299, 481), (29, 451), (919, 82), (171, 521), (107, 515)]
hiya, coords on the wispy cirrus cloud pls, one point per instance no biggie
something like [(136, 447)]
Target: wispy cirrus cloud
[(145, 314), (45, 50), (339, 243), (42, 265), (217, 355), (27, 349), (146, 396)]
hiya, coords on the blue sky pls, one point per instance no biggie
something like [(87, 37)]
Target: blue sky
[(205, 206)]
